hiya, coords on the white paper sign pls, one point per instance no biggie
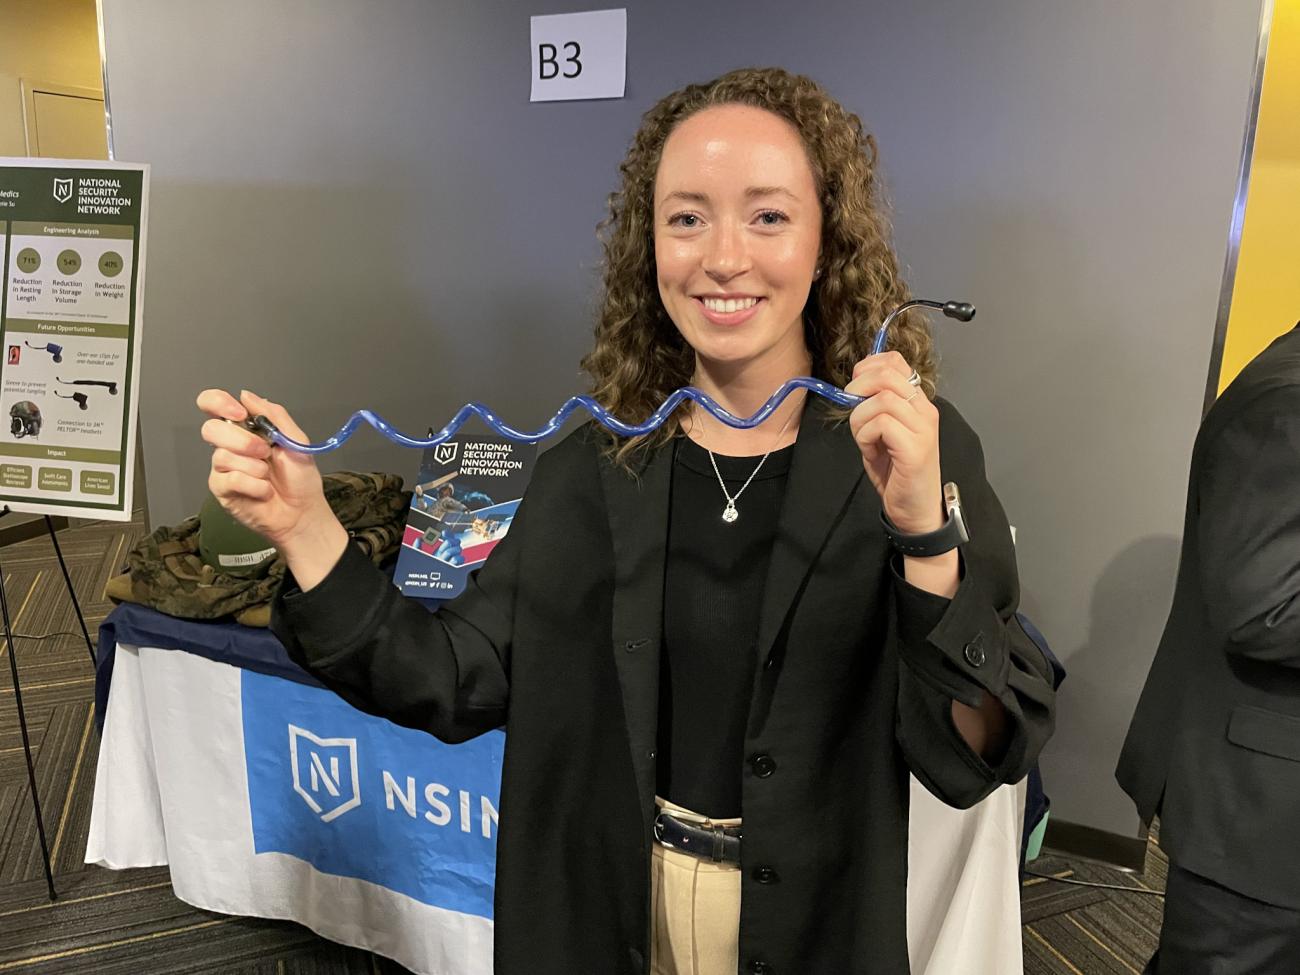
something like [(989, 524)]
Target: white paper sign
[(579, 56)]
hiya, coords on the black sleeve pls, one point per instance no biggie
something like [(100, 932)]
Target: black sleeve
[(447, 673), (1248, 528), (956, 649)]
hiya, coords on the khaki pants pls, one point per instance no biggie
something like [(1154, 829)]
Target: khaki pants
[(695, 911)]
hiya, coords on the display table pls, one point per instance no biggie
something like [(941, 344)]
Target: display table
[(269, 796)]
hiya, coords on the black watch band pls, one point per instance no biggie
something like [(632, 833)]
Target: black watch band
[(947, 538)]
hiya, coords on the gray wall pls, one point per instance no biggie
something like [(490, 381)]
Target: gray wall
[(355, 205)]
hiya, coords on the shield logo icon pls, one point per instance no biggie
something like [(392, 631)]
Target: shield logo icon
[(445, 453), (324, 772), (62, 190)]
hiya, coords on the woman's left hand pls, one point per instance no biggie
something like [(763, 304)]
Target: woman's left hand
[(897, 430)]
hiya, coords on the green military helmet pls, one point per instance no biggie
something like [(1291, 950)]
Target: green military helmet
[(229, 547), (25, 419)]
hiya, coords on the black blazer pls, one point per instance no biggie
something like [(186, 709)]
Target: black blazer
[(1214, 747), (558, 638)]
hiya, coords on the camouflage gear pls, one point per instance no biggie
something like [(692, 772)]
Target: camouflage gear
[(166, 571)]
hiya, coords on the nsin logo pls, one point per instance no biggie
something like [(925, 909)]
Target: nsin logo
[(324, 772)]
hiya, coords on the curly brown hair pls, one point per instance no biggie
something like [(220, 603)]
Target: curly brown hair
[(639, 357)]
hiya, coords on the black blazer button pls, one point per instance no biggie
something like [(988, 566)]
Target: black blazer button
[(761, 968), (763, 765), (765, 875), (974, 652)]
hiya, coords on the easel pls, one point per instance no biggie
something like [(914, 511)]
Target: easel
[(18, 690)]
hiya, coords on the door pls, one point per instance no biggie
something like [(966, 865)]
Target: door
[(64, 122)]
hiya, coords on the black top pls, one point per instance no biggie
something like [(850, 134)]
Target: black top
[(713, 586), (1214, 746), (559, 635)]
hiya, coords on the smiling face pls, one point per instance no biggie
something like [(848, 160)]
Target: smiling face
[(737, 229)]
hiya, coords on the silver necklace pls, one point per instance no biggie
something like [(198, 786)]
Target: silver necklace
[(729, 513)]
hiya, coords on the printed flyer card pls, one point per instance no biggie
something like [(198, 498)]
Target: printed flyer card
[(73, 236), (462, 506)]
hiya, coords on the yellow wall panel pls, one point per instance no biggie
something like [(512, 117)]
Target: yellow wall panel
[(1266, 290)]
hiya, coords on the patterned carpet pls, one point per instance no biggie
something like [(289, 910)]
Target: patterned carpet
[(128, 922), (1088, 931)]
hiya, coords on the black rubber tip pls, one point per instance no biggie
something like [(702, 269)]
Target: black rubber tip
[(963, 311)]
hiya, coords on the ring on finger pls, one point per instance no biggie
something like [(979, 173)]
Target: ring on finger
[(914, 378), (915, 393)]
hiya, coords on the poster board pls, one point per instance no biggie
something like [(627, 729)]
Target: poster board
[(71, 308)]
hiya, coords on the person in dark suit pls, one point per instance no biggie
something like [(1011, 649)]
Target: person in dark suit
[(717, 653), (1214, 747)]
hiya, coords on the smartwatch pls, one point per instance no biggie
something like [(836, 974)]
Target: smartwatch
[(945, 539)]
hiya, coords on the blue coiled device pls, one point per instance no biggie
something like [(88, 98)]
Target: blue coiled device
[(961, 311)]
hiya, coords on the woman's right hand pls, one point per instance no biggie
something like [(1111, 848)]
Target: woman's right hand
[(275, 492)]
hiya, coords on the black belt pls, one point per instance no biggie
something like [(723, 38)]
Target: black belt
[(721, 844)]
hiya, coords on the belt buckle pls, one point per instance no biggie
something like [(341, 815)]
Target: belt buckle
[(657, 827)]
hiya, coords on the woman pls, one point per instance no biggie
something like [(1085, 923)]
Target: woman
[(707, 620)]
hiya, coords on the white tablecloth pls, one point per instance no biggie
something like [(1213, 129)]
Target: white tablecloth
[(173, 788)]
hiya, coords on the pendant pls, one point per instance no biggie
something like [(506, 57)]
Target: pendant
[(729, 513)]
